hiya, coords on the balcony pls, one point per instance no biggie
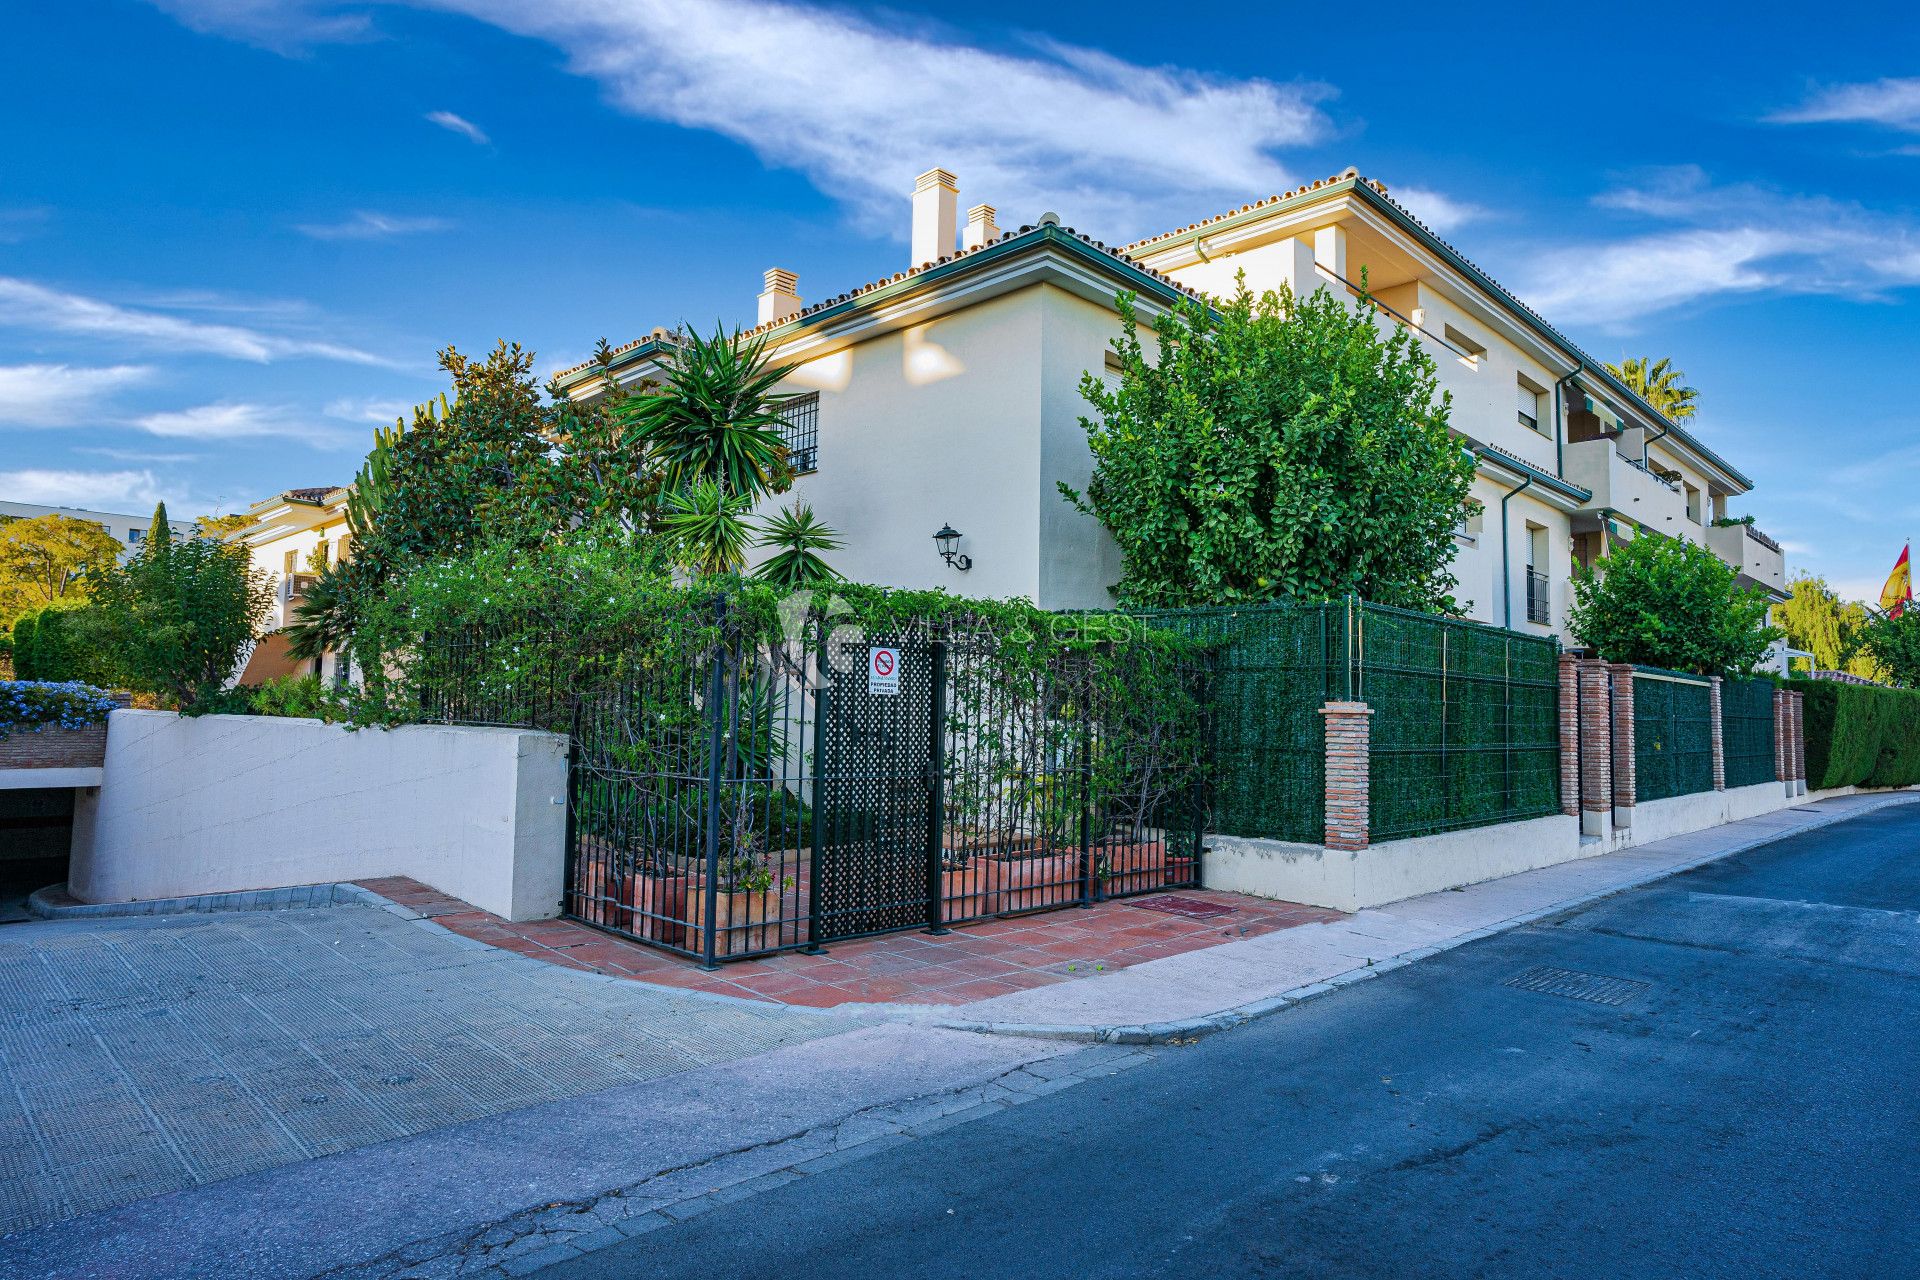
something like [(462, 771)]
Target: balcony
[(1539, 598), (293, 588), (1756, 557), (1625, 485)]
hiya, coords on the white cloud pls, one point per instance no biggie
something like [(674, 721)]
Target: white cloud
[(1720, 241), (276, 24), (26, 305), (460, 125), (233, 420), (60, 395), (1442, 213), (364, 225), (1893, 102), (137, 455), (100, 490), (861, 108), (358, 409), (17, 224)]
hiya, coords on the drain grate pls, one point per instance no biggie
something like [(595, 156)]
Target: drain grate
[(1190, 908), (1594, 988)]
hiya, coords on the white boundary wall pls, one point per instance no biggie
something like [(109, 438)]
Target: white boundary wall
[(1382, 873), (219, 804)]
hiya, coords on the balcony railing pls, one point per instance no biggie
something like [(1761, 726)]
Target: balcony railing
[(1539, 598)]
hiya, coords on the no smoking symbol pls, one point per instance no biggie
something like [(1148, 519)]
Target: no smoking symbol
[(883, 662)]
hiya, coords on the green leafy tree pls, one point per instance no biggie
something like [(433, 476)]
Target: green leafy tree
[(220, 526), (1278, 446), (1665, 602), (1816, 620), (48, 558), (1659, 384), (176, 619), (1894, 644), (796, 537)]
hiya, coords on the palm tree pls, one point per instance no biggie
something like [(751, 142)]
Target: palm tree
[(1659, 384), (797, 537)]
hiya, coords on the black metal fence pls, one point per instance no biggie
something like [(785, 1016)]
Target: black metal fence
[(1746, 731), (737, 792), (1672, 734)]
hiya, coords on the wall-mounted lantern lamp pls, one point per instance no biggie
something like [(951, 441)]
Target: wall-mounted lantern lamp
[(947, 539)]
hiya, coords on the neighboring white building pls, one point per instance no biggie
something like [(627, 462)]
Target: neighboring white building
[(948, 394), (291, 536), (129, 531)]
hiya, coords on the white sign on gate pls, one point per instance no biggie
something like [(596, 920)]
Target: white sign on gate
[(883, 670)]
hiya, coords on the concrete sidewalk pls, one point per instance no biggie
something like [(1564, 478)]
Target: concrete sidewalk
[(1206, 991)]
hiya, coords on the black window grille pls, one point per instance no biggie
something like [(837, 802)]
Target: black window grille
[(1539, 598), (800, 431)]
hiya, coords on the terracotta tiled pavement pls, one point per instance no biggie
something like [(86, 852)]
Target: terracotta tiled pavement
[(973, 962)]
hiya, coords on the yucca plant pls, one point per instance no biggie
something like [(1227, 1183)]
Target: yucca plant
[(716, 418), (708, 531), (796, 537)]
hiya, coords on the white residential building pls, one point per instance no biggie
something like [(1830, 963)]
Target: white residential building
[(948, 395), (129, 531)]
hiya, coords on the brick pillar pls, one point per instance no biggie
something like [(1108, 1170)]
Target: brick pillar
[(1624, 776), (1348, 736), (1569, 735), (1800, 741), (1596, 750), (1782, 731), (1719, 735)]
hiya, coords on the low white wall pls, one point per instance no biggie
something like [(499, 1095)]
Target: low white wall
[(1678, 815), (224, 803), (1348, 881)]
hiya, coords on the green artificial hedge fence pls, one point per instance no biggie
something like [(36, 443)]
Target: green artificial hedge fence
[(1859, 736)]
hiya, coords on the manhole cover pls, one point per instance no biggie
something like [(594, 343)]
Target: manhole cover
[(1190, 908), (1594, 988)]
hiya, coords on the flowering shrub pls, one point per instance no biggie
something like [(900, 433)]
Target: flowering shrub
[(36, 704)]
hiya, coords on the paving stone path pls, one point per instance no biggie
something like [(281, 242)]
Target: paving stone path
[(140, 1056)]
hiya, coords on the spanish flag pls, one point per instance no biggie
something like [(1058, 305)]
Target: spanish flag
[(1898, 593)]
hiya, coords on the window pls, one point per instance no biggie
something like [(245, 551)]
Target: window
[(1529, 406), (1539, 588), (800, 431), (1469, 349), (133, 536)]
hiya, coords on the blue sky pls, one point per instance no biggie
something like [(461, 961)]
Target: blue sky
[(233, 233)]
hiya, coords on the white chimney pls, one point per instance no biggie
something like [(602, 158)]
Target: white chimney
[(980, 228), (936, 205), (778, 300)]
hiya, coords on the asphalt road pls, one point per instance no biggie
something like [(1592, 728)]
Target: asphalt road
[(1752, 1110)]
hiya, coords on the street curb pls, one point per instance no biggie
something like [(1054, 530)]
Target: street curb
[(56, 902), (1187, 1030)]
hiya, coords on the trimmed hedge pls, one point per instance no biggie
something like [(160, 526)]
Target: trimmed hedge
[(1859, 736)]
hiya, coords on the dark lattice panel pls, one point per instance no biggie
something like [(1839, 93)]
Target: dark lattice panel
[(871, 874), (1465, 726), (1672, 734), (1746, 731), (1273, 668)]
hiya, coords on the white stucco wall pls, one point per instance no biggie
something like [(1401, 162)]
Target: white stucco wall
[(935, 424), (225, 803), (1350, 880), (1677, 815)]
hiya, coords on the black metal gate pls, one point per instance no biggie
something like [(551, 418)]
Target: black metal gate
[(875, 781), (736, 793)]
